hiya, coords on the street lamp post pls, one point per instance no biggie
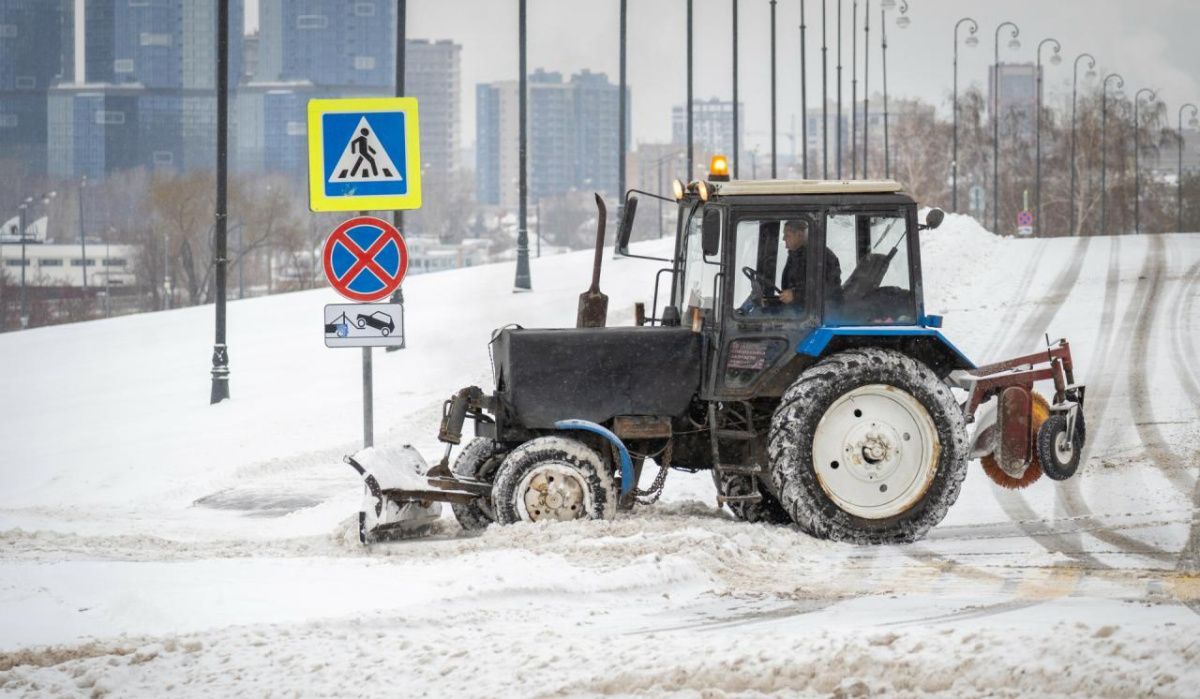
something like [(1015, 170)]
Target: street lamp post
[(1137, 171), (902, 21), (866, 87), (1074, 91), (773, 137), (1055, 59), (1179, 176), (803, 95), (522, 281), (971, 41), (219, 389), (1012, 44), (22, 212), (838, 126), (854, 90), (1104, 148), (824, 98), (735, 90), (82, 243), (690, 144)]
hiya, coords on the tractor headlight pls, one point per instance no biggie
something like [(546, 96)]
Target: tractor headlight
[(677, 189)]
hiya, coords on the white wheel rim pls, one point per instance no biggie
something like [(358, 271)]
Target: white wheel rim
[(875, 451), (1061, 450), (552, 491)]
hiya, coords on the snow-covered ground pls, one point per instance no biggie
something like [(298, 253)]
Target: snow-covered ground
[(152, 543)]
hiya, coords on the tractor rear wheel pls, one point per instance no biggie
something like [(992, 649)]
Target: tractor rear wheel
[(868, 446), (477, 461), (553, 478)]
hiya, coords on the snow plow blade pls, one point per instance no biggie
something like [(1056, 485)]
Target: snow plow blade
[(392, 506)]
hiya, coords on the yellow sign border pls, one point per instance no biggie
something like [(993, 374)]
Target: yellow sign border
[(317, 200)]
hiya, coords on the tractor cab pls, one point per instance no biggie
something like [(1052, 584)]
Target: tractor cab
[(760, 267)]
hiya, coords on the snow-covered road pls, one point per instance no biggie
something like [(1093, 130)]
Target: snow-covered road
[(152, 543)]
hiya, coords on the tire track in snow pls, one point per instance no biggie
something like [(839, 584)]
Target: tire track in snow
[(1154, 443), (1101, 384), (1184, 347)]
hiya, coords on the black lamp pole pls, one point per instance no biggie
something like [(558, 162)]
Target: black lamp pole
[(803, 95), (22, 222), (1179, 176), (774, 138), (691, 159), (1074, 93), (1137, 171), (220, 356), (1104, 149), (996, 121), (838, 126), (887, 160), (866, 88), (621, 106), (734, 171), (1055, 59), (398, 214), (854, 90), (522, 282), (971, 41)]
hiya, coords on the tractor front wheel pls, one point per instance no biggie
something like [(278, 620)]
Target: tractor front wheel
[(553, 478), (868, 446), (477, 461)]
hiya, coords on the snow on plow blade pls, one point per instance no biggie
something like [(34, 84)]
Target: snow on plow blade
[(396, 502)]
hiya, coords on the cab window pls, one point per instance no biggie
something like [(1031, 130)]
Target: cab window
[(696, 285), (871, 254), (771, 266)]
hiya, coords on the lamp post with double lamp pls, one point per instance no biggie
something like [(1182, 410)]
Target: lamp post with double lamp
[(1014, 44), (773, 137), (1074, 91), (1193, 122), (866, 140), (1137, 171), (971, 41), (803, 95), (1055, 59), (1104, 148), (854, 90)]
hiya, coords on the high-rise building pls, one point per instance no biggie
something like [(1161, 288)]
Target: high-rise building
[(712, 129), (573, 137), (138, 85), (30, 60), (331, 48)]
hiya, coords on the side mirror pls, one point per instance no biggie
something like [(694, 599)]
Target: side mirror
[(933, 219), (710, 233), (625, 225)]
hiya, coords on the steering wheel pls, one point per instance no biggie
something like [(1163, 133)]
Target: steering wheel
[(760, 284)]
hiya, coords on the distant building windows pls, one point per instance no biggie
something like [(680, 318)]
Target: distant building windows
[(108, 117), (78, 262), (123, 65), (114, 262), (16, 262), (50, 262), (25, 82), (312, 22), (364, 9), (164, 157), (152, 39), (364, 63), (8, 31), (8, 121), (295, 128)]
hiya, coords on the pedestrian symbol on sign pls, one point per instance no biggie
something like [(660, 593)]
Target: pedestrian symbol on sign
[(364, 159)]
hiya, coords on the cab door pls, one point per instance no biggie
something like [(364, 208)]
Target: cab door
[(759, 331)]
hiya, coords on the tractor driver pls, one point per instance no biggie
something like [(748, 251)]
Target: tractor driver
[(792, 282)]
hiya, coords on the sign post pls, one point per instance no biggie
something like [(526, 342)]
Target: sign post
[(1025, 219), (364, 154)]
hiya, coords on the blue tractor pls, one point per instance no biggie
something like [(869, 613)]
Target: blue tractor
[(791, 356)]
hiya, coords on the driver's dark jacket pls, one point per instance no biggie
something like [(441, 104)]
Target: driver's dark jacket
[(795, 272)]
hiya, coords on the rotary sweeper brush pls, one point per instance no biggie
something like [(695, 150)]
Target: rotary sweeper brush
[(791, 356)]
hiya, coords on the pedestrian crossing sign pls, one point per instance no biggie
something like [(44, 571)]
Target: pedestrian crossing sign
[(363, 154)]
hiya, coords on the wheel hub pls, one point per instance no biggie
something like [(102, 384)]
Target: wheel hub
[(552, 492), (875, 451), (1061, 450)]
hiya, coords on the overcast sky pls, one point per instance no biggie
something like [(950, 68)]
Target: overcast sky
[(1152, 43)]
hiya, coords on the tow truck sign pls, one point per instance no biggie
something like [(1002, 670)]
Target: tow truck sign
[(364, 325)]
